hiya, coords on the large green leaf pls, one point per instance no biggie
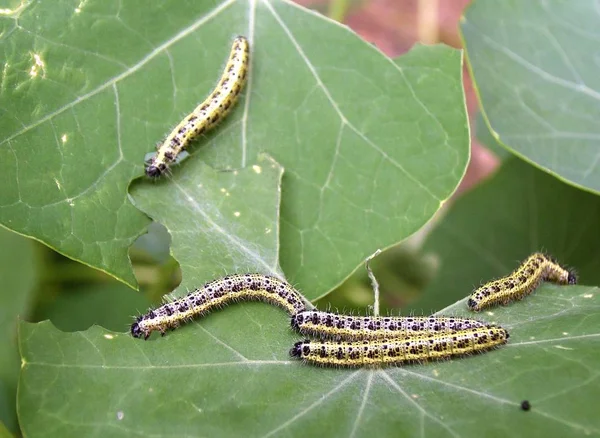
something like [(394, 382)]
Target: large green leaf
[(535, 69), (229, 374), (234, 378), (519, 210), (381, 170), (371, 147), (18, 271)]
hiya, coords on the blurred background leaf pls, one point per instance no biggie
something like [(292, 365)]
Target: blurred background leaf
[(4, 432), (488, 231), (109, 305), (535, 65), (19, 274)]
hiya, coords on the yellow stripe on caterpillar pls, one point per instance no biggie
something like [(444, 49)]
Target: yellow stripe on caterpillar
[(525, 279), (206, 115), (216, 294), (327, 325), (370, 353)]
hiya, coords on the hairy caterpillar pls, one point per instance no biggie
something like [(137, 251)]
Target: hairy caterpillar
[(208, 113), (525, 279), (424, 347), (215, 294), (326, 325)]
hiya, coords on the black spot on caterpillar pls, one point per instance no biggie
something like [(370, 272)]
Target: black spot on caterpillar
[(525, 279), (429, 346), (216, 294), (206, 115), (326, 325)]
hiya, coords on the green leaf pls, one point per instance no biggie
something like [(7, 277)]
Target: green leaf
[(18, 271), (535, 69), (489, 230), (234, 378), (4, 433), (389, 166), (372, 148), (219, 222), (485, 137)]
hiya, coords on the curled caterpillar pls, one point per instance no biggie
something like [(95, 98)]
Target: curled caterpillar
[(525, 279), (370, 353), (326, 325), (215, 294), (206, 115)]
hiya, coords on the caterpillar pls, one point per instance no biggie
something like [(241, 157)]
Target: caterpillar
[(215, 294), (326, 325), (206, 115), (525, 279), (430, 346)]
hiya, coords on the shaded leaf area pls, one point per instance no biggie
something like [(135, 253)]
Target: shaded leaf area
[(4, 432), (110, 305), (490, 230), (154, 244), (19, 274), (220, 222), (535, 67), (372, 147), (235, 378)]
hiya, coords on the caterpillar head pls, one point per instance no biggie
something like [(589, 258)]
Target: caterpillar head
[(572, 278), (136, 331), (296, 350), (472, 304), (153, 171), (296, 321), (300, 349)]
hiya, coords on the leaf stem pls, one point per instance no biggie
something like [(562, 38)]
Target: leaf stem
[(374, 283)]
